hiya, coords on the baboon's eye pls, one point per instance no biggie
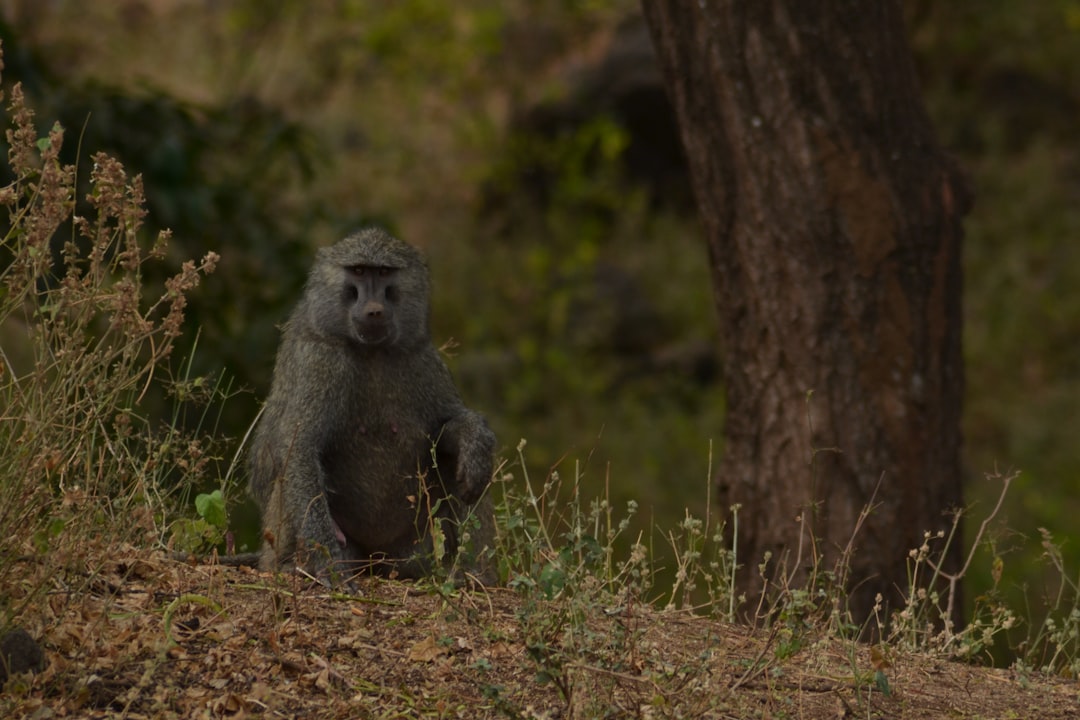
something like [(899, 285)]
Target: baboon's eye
[(358, 269), (383, 271)]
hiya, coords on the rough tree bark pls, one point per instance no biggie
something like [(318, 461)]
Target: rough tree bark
[(833, 225)]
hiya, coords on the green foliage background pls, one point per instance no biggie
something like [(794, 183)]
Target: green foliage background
[(265, 129)]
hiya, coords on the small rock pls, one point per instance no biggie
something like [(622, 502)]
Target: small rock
[(18, 653)]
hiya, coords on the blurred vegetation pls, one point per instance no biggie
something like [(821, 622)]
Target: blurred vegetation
[(569, 272), (1002, 82)]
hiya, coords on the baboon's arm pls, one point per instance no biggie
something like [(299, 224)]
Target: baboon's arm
[(471, 442), (304, 494)]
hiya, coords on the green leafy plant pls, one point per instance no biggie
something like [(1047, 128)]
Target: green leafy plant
[(201, 534)]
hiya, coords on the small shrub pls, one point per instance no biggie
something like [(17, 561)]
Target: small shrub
[(84, 344)]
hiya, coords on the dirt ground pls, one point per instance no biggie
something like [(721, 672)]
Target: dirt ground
[(158, 638)]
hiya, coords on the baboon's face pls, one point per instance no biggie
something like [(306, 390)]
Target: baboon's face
[(372, 295), (371, 290)]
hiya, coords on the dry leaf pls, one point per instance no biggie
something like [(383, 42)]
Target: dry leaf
[(426, 650)]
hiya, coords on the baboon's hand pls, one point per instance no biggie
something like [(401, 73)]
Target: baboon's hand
[(332, 573), (475, 449), (322, 551), (473, 478)]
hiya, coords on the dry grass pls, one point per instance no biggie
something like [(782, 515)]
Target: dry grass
[(155, 638)]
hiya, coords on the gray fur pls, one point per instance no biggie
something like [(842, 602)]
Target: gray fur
[(364, 432)]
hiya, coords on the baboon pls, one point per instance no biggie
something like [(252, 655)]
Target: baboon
[(365, 452)]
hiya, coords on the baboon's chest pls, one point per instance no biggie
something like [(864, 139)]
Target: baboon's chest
[(391, 437), (392, 428), (398, 419), (377, 474)]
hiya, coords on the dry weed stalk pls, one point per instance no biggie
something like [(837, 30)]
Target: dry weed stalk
[(83, 339)]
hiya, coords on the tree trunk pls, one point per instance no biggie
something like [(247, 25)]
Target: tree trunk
[(833, 225)]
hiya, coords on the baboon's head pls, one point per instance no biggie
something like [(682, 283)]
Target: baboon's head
[(371, 289)]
